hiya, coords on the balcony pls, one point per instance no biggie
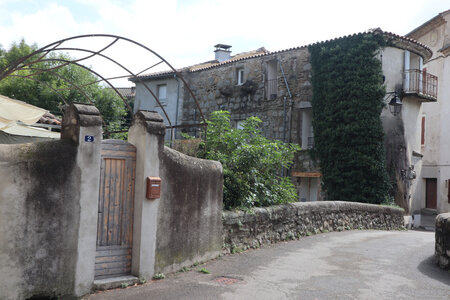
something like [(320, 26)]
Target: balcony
[(421, 84)]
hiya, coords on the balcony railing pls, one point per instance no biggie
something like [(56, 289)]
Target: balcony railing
[(420, 83), (272, 88)]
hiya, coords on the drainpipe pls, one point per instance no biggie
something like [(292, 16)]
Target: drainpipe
[(178, 103), (285, 171), (284, 105)]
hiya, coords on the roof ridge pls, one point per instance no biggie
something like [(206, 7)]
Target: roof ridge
[(376, 30)]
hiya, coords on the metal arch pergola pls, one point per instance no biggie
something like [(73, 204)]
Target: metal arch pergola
[(42, 53)]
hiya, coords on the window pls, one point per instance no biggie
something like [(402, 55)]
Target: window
[(162, 91), (272, 80), (240, 76), (422, 135), (240, 124)]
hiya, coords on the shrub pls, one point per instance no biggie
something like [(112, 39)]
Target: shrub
[(251, 162)]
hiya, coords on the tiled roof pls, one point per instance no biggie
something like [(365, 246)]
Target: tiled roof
[(435, 21), (374, 31), (49, 118), (263, 52), (127, 92)]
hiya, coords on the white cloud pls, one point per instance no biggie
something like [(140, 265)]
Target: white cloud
[(184, 32)]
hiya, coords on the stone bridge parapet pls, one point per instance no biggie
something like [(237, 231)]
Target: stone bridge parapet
[(258, 226)]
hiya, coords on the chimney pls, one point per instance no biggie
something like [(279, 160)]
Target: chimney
[(222, 52)]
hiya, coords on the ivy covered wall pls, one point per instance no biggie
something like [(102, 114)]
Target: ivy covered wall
[(348, 93)]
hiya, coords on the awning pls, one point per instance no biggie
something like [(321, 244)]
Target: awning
[(12, 111)]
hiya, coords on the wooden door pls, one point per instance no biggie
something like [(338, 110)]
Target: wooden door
[(431, 193), (115, 209)]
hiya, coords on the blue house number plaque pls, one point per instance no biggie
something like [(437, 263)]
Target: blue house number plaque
[(88, 138)]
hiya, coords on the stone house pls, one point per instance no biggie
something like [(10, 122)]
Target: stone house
[(276, 87), (433, 191)]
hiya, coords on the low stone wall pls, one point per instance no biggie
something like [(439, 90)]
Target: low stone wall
[(442, 246), (243, 230)]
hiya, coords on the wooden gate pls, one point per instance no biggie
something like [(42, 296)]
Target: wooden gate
[(115, 209)]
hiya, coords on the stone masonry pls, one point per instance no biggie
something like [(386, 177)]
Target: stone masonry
[(259, 226), (216, 88), (442, 247)]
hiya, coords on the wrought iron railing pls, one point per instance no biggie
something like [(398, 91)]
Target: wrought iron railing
[(272, 88), (421, 83)]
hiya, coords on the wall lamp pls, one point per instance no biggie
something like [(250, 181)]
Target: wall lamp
[(395, 105)]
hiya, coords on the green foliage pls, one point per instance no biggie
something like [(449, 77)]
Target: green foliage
[(250, 162), (50, 88), (204, 271), (347, 101), (159, 276)]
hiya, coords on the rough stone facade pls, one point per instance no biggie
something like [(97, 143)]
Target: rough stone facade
[(217, 88), (442, 246), (243, 230)]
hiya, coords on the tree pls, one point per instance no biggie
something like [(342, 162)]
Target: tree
[(347, 101), (251, 162), (48, 89)]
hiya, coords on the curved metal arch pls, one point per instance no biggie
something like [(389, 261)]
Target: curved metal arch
[(45, 83), (55, 47), (67, 62)]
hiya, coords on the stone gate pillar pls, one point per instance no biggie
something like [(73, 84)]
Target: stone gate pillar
[(147, 135), (83, 125)]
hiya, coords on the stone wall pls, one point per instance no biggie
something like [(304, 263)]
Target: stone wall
[(216, 88), (442, 247), (243, 230)]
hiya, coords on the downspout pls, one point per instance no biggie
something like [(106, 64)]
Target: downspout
[(284, 105), (285, 171), (178, 103)]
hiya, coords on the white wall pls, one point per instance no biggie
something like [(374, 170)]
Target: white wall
[(436, 151)]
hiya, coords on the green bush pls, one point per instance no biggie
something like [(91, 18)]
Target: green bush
[(251, 162)]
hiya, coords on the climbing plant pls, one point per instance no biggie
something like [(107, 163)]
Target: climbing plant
[(348, 93)]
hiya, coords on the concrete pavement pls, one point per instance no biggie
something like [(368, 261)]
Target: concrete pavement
[(337, 265)]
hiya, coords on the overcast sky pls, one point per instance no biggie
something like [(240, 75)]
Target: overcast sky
[(184, 32)]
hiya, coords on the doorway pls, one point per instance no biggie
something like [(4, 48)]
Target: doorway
[(431, 193), (115, 209)]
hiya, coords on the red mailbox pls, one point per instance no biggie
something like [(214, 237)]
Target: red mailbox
[(153, 187)]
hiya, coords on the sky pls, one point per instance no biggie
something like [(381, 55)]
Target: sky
[(184, 32)]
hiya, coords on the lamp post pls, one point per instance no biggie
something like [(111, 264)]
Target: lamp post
[(395, 105)]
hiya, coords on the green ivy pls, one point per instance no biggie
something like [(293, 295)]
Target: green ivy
[(348, 93), (250, 162)]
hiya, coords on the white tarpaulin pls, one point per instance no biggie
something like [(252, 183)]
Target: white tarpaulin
[(12, 111)]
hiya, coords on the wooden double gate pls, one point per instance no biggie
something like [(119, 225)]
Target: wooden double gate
[(115, 209)]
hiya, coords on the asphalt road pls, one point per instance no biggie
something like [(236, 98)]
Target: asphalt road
[(337, 265)]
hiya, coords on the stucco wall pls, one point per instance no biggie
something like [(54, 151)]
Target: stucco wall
[(243, 230), (48, 216), (190, 210), (39, 215), (436, 159), (145, 101)]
